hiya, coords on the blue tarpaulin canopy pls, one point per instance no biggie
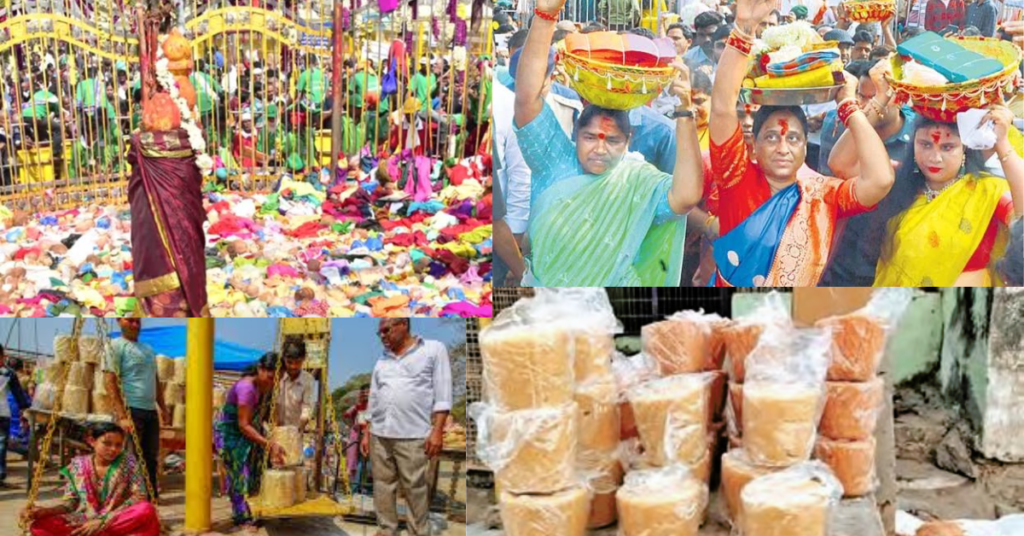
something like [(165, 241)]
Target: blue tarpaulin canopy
[(171, 341)]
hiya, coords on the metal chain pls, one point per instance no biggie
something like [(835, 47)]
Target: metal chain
[(339, 444), (272, 418), (104, 337), (51, 426)]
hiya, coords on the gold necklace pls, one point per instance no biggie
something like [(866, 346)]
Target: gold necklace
[(932, 194)]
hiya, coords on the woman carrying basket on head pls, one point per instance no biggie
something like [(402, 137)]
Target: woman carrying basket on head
[(599, 218), (104, 494), (239, 438)]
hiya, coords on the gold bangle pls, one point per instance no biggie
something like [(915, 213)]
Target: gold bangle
[(709, 220), (1005, 157)]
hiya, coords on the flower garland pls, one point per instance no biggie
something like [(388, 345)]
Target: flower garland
[(188, 122)]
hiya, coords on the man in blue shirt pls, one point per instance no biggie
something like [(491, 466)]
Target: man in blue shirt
[(701, 51), (982, 14), (131, 376), (8, 383), (861, 242)]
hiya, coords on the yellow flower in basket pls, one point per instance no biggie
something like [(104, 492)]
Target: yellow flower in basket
[(619, 72)]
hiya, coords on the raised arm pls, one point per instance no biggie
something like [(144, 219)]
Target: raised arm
[(534, 61), (1013, 166), (876, 174), (844, 160), (688, 173), (732, 68)]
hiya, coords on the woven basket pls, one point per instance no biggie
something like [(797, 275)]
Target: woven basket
[(870, 10), (942, 103), (616, 87)]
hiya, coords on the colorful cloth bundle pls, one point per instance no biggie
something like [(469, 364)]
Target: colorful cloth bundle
[(804, 63), (820, 77)]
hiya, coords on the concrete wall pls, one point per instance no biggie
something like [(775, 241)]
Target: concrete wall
[(1002, 435)]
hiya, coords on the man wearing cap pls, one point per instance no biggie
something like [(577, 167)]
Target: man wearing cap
[(243, 147), (799, 12), (845, 44), (424, 83)]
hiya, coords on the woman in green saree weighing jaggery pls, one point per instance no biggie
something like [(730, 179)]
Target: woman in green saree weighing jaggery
[(598, 217)]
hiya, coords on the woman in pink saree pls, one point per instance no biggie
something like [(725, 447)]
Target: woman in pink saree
[(167, 225), (104, 494)]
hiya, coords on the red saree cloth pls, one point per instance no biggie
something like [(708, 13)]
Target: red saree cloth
[(167, 225)]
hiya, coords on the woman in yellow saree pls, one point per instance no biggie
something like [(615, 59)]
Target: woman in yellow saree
[(955, 224)]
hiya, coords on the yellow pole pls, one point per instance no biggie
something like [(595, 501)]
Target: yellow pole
[(199, 425)]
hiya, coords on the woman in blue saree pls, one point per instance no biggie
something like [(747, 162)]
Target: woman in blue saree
[(598, 217)]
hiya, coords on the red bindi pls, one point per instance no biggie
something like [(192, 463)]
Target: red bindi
[(601, 136), (607, 125), (936, 136), (784, 125)]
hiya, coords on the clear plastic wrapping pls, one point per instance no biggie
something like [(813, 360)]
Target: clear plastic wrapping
[(667, 501), (734, 410), (859, 338), (90, 349), (743, 335), (716, 347), (603, 482), (717, 385), (851, 409), (782, 396), (300, 484), (681, 343), (537, 349), (797, 501), (45, 396), (530, 451), (738, 471), (599, 426), (671, 418), (852, 462), (630, 372), (564, 513)]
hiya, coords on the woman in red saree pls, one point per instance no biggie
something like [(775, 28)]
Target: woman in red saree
[(777, 226), (167, 225), (104, 494)]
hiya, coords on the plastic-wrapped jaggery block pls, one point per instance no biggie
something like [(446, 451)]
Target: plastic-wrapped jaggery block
[(797, 501), (740, 340), (661, 502), (671, 418), (541, 449), (853, 463), (851, 409), (598, 419), (680, 344), (564, 513), (858, 344), (527, 367), (779, 422), (592, 354), (737, 472)]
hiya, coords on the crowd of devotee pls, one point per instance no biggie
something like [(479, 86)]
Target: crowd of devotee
[(759, 143)]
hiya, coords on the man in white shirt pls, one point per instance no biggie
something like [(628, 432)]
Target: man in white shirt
[(410, 398), (297, 391), (514, 174)]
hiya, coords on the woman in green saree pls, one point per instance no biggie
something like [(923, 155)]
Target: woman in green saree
[(599, 217)]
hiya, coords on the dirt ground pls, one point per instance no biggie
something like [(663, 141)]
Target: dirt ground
[(172, 510)]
